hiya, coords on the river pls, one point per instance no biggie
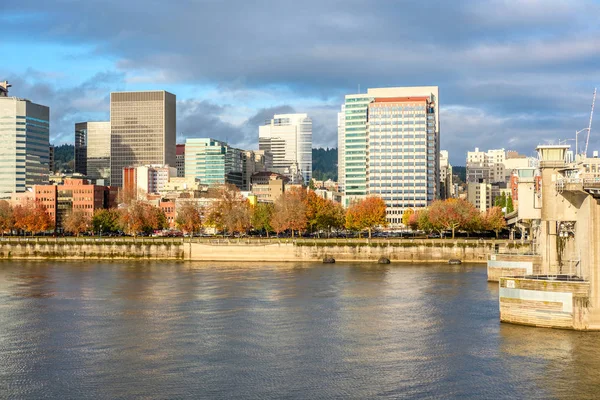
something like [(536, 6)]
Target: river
[(160, 330)]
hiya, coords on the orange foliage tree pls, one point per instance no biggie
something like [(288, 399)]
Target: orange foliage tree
[(452, 214), (77, 221), (142, 217), (323, 214), (189, 217), (32, 217), (290, 211), (366, 214), (494, 220), (230, 210)]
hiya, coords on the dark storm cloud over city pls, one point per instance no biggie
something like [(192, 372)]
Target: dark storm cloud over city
[(511, 73)]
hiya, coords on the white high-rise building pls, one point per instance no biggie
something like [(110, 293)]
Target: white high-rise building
[(341, 149), (391, 142), (24, 143), (289, 138)]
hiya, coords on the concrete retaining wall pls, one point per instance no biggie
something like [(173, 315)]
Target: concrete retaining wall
[(106, 250), (545, 303), (407, 251)]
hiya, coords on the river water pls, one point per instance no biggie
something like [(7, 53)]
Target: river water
[(110, 330)]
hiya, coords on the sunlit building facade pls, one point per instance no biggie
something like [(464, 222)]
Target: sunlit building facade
[(289, 138), (24, 144), (92, 150), (142, 130), (391, 148), (213, 162)]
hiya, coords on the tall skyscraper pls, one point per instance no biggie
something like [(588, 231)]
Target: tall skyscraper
[(24, 143), (289, 138), (213, 161), (81, 148), (142, 130), (92, 150), (391, 147)]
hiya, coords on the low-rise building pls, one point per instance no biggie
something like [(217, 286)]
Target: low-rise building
[(268, 186), (72, 194)]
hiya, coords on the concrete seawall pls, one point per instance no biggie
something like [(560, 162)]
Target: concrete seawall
[(256, 250)]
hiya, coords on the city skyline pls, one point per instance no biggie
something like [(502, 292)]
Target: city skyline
[(516, 72)]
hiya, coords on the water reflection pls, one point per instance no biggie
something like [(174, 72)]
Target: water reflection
[(200, 330)]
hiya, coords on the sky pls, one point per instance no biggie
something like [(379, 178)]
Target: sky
[(512, 73)]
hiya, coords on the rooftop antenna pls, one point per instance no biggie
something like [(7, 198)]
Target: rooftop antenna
[(587, 141)]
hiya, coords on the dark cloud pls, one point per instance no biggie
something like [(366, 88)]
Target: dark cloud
[(506, 66), (88, 101), (204, 119)]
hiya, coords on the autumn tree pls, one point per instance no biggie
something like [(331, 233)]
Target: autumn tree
[(413, 221), (279, 221), (229, 211), (132, 218), (76, 222), (7, 218), (494, 220), (290, 211), (406, 216), (323, 214), (142, 217), (451, 214), (261, 217), (189, 217), (32, 217), (155, 218), (238, 218), (366, 214), (106, 220)]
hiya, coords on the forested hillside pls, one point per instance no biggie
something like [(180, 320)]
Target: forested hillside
[(64, 157), (324, 163)]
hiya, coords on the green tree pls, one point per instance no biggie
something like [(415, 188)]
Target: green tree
[(261, 217), (423, 221), (504, 201), (106, 220)]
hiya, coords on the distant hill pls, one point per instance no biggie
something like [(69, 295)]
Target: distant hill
[(461, 172), (64, 157), (324, 164)]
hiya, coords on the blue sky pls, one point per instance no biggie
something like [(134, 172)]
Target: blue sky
[(512, 73)]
